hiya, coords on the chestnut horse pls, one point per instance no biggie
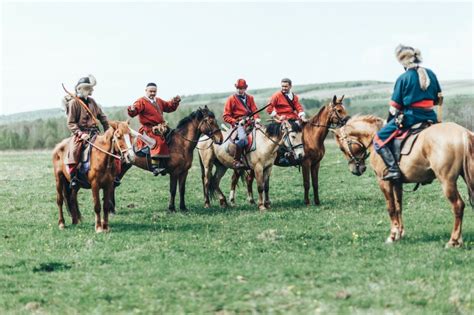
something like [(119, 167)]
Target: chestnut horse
[(315, 130), (114, 144), (443, 151), (182, 142)]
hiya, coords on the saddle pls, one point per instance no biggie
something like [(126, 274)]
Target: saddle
[(404, 141), (251, 144)]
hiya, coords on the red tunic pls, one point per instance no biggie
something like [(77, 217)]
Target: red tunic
[(149, 116), (234, 110), (280, 105)]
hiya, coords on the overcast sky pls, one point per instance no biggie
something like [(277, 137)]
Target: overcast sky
[(189, 48)]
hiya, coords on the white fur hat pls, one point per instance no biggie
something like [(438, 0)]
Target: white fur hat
[(408, 56), (86, 82)]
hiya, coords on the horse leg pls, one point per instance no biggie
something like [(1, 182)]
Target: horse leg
[(306, 168), (249, 180), (387, 190), (220, 171), (60, 200), (315, 182), (398, 194), (75, 213), (173, 184), (182, 190), (259, 176), (206, 179), (108, 191), (266, 176), (96, 197), (233, 184), (457, 206)]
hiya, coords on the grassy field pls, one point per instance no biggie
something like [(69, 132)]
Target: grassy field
[(292, 259)]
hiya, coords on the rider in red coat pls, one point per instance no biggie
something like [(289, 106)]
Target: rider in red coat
[(285, 104), (150, 111), (237, 109)]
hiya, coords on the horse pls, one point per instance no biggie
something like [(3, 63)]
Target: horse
[(315, 130), (260, 161), (181, 142), (107, 153), (443, 151)]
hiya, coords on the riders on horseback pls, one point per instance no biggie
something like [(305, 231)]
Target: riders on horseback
[(236, 112), (415, 93), (150, 111), (285, 105), (83, 117)]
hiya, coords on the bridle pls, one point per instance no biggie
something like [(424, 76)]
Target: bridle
[(348, 143), (341, 121), (209, 134), (121, 151), (288, 145)]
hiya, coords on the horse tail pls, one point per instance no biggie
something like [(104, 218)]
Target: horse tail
[(67, 196), (468, 165), (212, 190)]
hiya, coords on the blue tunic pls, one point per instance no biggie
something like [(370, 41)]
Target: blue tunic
[(407, 91)]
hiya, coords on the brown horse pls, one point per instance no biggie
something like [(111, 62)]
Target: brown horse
[(114, 144), (443, 151), (182, 142), (315, 130)]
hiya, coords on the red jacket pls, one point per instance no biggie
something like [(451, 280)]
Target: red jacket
[(234, 110), (280, 105), (150, 115)]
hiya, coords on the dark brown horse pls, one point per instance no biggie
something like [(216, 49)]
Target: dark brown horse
[(443, 151), (182, 142), (315, 130), (114, 144)]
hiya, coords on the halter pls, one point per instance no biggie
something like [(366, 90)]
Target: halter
[(114, 143), (286, 138), (208, 134), (349, 142)]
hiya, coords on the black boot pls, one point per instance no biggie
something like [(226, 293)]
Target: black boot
[(157, 166), (117, 181), (237, 158), (74, 184), (393, 169)]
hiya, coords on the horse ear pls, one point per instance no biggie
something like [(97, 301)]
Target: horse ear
[(340, 101), (334, 100), (205, 107), (113, 124)]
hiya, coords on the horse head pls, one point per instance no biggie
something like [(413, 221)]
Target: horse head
[(337, 112), (208, 124), (354, 140), (122, 140), (293, 139)]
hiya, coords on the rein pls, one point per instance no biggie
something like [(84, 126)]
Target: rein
[(349, 142), (209, 135), (340, 123)]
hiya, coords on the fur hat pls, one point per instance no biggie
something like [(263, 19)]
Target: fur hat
[(408, 56), (86, 82)]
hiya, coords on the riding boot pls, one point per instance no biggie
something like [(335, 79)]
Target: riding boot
[(157, 166), (393, 169), (237, 158), (74, 184), (117, 181)]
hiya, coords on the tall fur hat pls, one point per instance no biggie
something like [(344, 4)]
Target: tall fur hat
[(86, 82), (408, 56)]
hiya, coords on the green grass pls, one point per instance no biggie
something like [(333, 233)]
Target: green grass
[(292, 259)]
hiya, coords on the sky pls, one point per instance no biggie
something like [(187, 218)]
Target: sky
[(204, 47)]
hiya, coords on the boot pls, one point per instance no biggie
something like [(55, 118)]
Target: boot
[(237, 158), (117, 181), (393, 169), (157, 166), (74, 184)]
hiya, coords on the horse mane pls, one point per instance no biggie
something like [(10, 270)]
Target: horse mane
[(295, 126), (197, 114), (364, 125), (273, 129), (315, 118)]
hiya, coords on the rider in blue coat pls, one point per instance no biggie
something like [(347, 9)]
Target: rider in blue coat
[(415, 93)]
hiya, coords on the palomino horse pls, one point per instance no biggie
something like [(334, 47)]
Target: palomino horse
[(315, 130), (182, 142), (114, 144), (443, 151), (260, 161)]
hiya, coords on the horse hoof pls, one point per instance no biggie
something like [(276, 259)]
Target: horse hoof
[(251, 201), (389, 240), (453, 244), (207, 206), (262, 208), (99, 229), (268, 204), (184, 209), (172, 209), (61, 226)]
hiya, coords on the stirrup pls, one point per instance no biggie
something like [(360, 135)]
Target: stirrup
[(157, 171), (392, 176), (74, 184)]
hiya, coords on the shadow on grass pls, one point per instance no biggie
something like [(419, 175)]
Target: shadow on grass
[(118, 227), (427, 237)]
